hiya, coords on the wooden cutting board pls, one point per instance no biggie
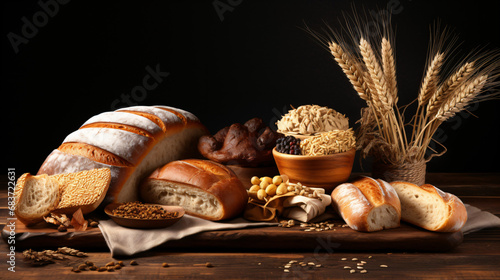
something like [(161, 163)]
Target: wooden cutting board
[(404, 238)]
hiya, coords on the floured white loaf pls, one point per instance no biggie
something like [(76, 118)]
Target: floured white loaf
[(367, 204), (203, 188), (131, 142), (428, 207)]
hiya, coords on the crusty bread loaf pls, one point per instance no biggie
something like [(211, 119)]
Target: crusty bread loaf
[(367, 204), (35, 197), (430, 208), (131, 142), (203, 188)]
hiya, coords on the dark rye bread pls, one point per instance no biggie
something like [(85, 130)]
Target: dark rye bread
[(132, 142)]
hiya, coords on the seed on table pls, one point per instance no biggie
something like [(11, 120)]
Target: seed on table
[(318, 265), (110, 269), (133, 262), (101, 269), (310, 263), (164, 264), (347, 267), (354, 259), (343, 259), (121, 263), (370, 257), (117, 267), (383, 265), (363, 262), (359, 267), (209, 264), (110, 264), (352, 271), (363, 271), (286, 270)]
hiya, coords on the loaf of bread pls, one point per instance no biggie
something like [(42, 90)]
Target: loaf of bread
[(131, 142), (204, 188), (37, 196), (249, 144), (428, 207), (367, 204)]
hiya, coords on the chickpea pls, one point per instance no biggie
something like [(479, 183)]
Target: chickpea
[(277, 180), (264, 184), (271, 189), (282, 189), (261, 194), (255, 180), (254, 188), (267, 179)]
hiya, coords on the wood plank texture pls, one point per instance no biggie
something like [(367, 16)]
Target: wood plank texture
[(476, 258)]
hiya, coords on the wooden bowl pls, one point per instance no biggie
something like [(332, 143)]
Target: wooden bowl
[(316, 171), (145, 223)]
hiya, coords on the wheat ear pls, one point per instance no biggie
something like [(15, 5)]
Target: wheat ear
[(389, 67), (380, 96), (462, 98), (429, 84), (448, 87), (350, 69)]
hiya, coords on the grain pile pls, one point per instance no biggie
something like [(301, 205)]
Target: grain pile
[(332, 142)]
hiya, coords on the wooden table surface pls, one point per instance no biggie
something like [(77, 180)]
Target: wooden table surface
[(478, 257)]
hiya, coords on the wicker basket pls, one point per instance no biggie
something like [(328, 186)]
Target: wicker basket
[(408, 172)]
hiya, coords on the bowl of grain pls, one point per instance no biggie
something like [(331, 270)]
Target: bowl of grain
[(324, 161)]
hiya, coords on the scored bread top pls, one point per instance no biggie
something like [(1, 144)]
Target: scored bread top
[(371, 190), (131, 142)]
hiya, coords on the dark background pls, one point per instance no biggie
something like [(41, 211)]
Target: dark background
[(253, 63)]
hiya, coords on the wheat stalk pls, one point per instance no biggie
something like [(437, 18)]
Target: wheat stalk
[(351, 71), (372, 72), (380, 97), (448, 87), (429, 84), (389, 67), (462, 99)]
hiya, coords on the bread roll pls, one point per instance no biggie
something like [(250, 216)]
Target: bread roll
[(367, 204), (430, 208), (130, 142), (203, 188)]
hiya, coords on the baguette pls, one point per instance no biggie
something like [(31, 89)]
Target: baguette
[(430, 208), (204, 188), (131, 142), (367, 204)]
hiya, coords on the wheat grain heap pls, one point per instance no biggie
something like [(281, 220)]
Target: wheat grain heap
[(332, 142), (311, 120)]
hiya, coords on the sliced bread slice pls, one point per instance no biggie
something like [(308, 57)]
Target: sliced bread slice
[(36, 196), (84, 189), (430, 208)]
